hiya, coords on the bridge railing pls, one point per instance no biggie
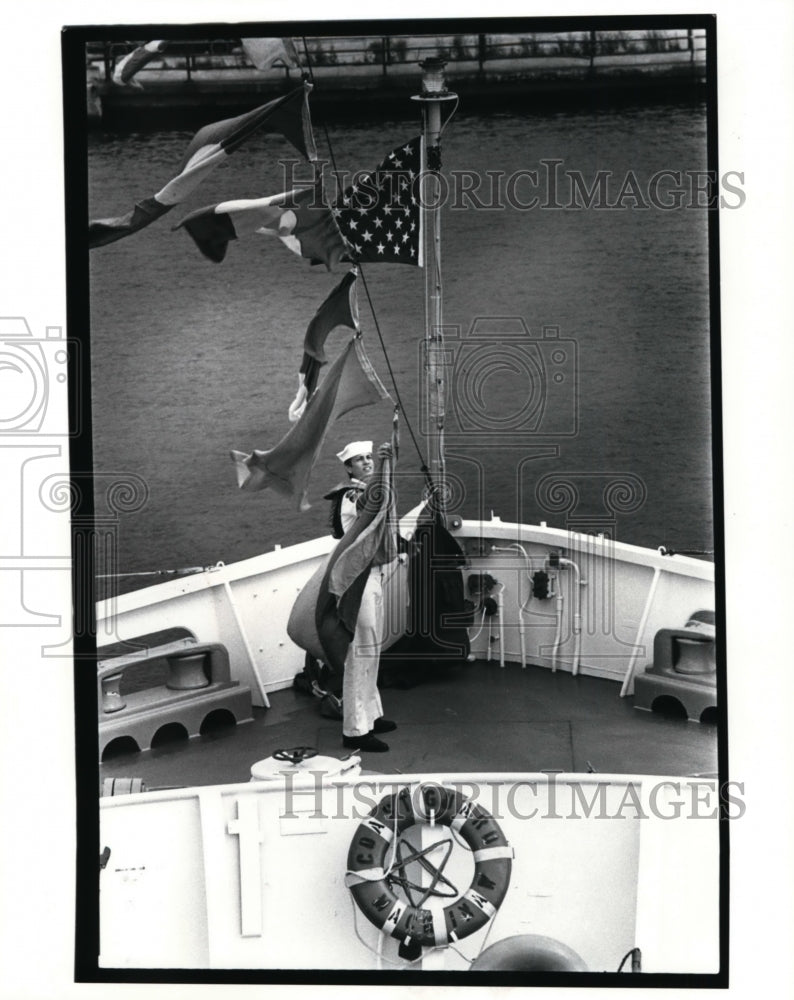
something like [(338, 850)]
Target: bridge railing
[(592, 50)]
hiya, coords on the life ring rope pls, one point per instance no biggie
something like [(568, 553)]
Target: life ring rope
[(422, 856), (367, 875)]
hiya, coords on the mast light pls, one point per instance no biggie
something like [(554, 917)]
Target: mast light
[(433, 84)]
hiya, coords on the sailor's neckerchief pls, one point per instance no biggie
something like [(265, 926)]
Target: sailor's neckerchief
[(353, 489)]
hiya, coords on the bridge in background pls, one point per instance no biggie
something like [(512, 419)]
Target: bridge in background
[(193, 75)]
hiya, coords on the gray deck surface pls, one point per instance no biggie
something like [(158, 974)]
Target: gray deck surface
[(475, 718)]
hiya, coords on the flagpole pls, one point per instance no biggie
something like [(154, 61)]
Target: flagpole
[(433, 95)]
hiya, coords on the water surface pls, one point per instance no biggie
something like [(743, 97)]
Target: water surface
[(190, 358)]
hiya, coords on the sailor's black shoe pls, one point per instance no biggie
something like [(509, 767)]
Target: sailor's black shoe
[(382, 725), (367, 743)]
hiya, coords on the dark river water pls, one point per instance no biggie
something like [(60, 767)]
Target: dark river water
[(608, 426)]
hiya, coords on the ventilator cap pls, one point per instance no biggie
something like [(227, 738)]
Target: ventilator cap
[(354, 448)]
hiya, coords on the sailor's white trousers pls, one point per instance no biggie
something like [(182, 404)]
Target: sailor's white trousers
[(361, 703)]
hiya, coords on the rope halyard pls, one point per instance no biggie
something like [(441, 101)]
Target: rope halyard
[(423, 466)]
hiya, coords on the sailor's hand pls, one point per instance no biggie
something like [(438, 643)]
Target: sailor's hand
[(385, 450)]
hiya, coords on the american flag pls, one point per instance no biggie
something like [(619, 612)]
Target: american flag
[(379, 215)]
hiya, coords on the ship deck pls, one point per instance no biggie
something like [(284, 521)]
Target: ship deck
[(475, 717)]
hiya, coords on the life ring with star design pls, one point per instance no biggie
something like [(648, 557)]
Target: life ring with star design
[(372, 883)]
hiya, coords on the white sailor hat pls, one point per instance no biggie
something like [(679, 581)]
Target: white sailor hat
[(354, 448)]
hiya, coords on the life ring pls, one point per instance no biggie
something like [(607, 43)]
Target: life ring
[(368, 880)]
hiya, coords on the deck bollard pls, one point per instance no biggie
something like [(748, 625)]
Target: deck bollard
[(186, 673), (111, 694)]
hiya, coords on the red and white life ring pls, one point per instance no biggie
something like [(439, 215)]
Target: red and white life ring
[(368, 880)]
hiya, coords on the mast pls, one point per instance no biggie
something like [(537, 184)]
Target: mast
[(433, 95)]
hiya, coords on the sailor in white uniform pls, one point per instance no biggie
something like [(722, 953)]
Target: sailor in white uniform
[(359, 465), (362, 711)]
